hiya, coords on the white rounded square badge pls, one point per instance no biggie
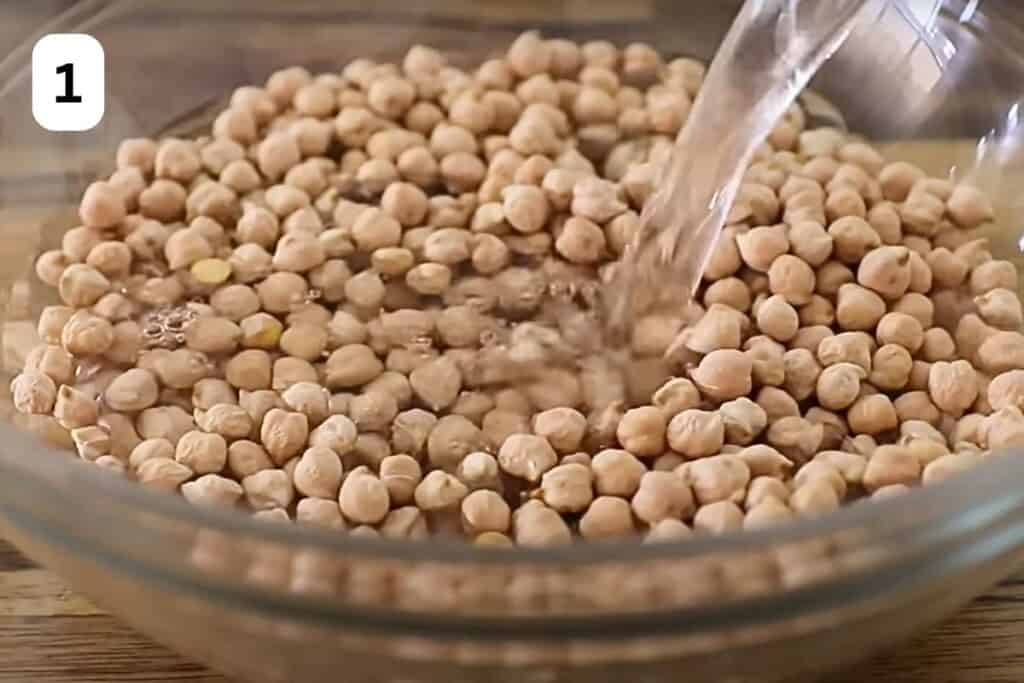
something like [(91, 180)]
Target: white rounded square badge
[(68, 82)]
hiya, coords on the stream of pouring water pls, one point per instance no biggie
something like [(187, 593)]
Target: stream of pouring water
[(772, 50)]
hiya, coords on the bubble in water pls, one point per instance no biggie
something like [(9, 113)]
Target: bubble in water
[(164, 327)]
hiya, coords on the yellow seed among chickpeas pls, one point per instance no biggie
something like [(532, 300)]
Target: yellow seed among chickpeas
[(211, 271)]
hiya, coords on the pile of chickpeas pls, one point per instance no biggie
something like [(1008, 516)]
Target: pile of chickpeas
[(370, 301)]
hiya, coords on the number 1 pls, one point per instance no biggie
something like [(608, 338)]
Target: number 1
[(69, 96)]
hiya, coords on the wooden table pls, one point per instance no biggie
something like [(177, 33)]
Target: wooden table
[(50, 635)]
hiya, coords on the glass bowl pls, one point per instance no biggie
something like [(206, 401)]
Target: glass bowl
[(268, 602)]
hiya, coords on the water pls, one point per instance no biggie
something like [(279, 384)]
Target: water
[(771, 52)]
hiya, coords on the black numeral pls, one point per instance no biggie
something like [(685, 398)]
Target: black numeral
[(68, 71)]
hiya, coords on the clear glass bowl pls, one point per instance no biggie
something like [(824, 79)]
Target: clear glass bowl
[(269, 603)]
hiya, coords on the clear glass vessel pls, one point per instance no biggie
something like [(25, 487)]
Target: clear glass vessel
[(265, 603)]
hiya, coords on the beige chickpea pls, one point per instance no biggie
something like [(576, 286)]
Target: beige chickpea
[(890, 465), (34, 393), (373, 410), (479, 470), (102, 206), (410, 429), (607, 517), (526, 456), (401, 475), (163, 474), (52, 320), (581, 241), (452, 438), (150, 449), (642, 431), (872, 414), (719, 328), (81, 285), (437, 383), (351, 366), (213, 335), (284, 434), (337, 432), (1006, 390), (846, 347), (776, 318), (661, 496), (802, 372), (791, 278), (268, 490), (536, 525), (937, 345), (318, 473), (212, 490), (795, 437), (993, 275), (718, 518), (916, 405), (247, 457), (131, 391), (567, 488), (891, 365), (52, 361), (952, 386), (743, 420), (1000, 308), (858, 308), (287, 371), (724, 374), (852, 239), (886, 270), (720, 477), (429, 279), (816, 497), (838, 385), (86, 334), (767, 360), (202, 453), (563, 428), (320, 512), (309, 399), (485, 511), (731, 292), (696, 433), (616, 473), (163, 200), (439, 490), (831, 276), (78, 243)]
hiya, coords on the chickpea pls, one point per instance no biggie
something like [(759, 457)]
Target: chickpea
[(102, 206), (201, 453), (718, 517), (724, 374), (858, 308), (607, 517), (318, 473), (696, 433), (563, 428), (872, 414), (284, 434), (953, 386), (526, 456), (892, 366)]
